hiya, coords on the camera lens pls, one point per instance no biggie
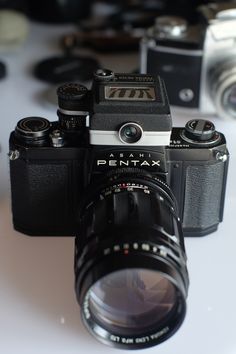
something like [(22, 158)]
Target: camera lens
[(229, 99), (130, 133), (130, 263), (149, 297), (223, 88)]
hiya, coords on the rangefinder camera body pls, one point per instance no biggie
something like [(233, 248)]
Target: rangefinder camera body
[(197, 61), (112, 172)]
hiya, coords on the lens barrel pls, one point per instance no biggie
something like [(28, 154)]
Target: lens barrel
[(131, 279)]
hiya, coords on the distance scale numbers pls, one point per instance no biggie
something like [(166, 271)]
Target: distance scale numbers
[(129, 187)]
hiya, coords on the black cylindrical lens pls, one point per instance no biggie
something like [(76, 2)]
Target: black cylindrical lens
[(130, 263)]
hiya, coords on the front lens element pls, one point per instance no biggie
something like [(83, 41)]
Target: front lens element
[(222, 80), (229, 100), (132, 300)]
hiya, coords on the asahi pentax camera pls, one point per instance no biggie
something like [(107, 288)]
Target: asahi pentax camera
[(112, 172), (197, 61)]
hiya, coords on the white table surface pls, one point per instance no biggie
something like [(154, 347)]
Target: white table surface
[(38, 310)]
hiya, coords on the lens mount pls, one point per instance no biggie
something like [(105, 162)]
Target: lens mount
[(130, 264), (130, 133)]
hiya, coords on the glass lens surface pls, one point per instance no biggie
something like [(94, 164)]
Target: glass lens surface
[(130, 133), (229, 100), (131, 301)]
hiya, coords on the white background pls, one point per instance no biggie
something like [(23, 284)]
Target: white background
[(38, 310)]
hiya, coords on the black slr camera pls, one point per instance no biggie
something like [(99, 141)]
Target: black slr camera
[(113, 173), (197, 61)]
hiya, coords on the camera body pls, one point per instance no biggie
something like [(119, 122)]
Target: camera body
[(122, 124), (197, 61)]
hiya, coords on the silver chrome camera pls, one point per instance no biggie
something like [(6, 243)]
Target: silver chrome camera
[(197, 62)]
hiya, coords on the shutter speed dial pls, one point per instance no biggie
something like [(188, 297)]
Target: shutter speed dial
[(199, 129), (200, 132)]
